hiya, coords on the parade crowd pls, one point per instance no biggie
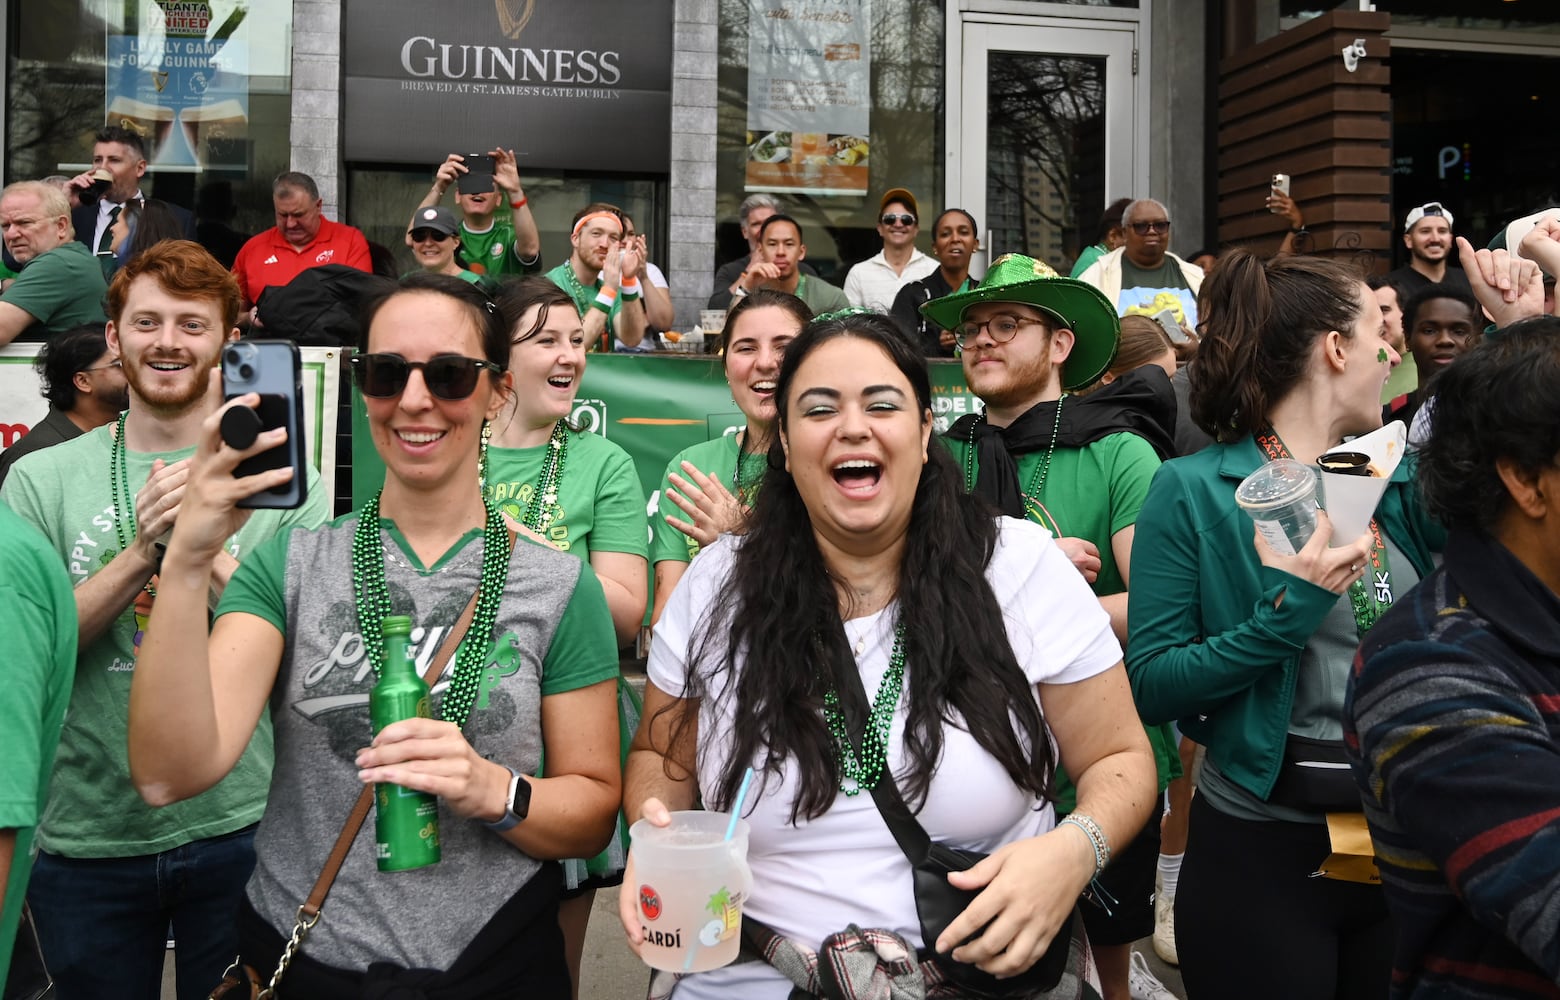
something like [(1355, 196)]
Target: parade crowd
[(1048, 638)]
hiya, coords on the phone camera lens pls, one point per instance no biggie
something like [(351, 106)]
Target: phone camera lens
[(230, 355), (246, 372)]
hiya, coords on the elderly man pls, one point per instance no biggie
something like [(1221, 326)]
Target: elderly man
[(302, 238), (875, 282), (751, 215), (61, 284), (1142, 275), (1454, 703), (121, 153), (1427, 233)]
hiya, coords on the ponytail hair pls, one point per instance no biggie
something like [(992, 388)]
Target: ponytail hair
[(1260, 320)]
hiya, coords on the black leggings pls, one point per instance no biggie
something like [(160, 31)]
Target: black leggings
[(1250, 921)]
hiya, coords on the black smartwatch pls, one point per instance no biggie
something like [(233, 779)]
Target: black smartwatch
[(516, 806)]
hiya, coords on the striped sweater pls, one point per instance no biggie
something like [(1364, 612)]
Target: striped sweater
[(1453, 728)]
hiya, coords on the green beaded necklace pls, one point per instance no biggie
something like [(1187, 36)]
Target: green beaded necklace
[(862, 773), (373, 604), (745, 491), (542, 509), (1036, 478), (119, 487)]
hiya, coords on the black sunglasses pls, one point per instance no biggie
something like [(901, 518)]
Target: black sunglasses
[(891, 218), (450, 377), (1144, 228), (421, 234)]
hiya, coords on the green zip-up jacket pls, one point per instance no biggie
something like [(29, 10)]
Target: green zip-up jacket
[(1206, 645)]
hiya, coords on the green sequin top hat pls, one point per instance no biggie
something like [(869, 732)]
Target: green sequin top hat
[(1079, 307)]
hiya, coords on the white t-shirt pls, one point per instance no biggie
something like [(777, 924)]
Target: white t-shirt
[(817, 877), (872, 284)]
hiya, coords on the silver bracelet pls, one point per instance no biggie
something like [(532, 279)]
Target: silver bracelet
[(1091, 829)]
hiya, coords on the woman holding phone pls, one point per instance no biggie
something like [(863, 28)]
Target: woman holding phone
[(298, 630)]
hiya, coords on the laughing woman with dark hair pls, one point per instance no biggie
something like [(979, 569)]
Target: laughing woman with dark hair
[(1250, 649), (864, 557)]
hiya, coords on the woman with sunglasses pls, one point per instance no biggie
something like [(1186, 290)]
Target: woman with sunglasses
[(298, 631), (753, 342), (435, 242), (577, 492)]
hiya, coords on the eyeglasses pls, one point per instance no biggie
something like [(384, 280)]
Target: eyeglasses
[(904, 220), (116, 363), (1144, 228), (1002, 328), (451, 377), (423, 235)]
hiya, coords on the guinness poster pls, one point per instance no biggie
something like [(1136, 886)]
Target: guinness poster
[(567, 84)]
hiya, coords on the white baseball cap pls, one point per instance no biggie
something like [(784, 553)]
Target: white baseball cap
[(1428, 208)]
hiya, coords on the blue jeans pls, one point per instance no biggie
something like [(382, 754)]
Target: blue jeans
[(103, 922)]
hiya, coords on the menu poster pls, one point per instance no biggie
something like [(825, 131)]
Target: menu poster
[(183, 83), (809, 96)]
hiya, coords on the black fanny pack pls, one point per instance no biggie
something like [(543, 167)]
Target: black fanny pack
[(1315, 777)]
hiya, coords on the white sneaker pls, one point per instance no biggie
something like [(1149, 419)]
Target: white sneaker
[(1142, 982), (1164, 929)]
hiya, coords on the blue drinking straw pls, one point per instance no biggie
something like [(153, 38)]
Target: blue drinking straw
[(731, 829), (736, 807)]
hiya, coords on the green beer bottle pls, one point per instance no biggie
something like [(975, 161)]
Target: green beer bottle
[(406, 823)]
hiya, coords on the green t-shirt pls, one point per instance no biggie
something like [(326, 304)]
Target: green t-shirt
[(40, 664), (820, 296), (93, 809), (60, 289), (1092, 493), (1089, 255), (716, 458), (583, 295), (495, 252), (601, 504)]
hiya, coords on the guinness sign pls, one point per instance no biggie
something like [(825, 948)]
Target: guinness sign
[(549, 78)]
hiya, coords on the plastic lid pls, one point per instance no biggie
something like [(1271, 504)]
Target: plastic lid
[(1279, 482), (395, 625)]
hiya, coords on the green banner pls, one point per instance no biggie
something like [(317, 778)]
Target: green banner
[(653, 407)]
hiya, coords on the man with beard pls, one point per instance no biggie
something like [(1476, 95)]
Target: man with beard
[(85, 386), (1142, 275), (1428, 236), (777, 266), (599, 277), (113, 873), (60, 284), (1080, 467)]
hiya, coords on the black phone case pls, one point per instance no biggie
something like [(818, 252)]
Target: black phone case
[(281, 405)]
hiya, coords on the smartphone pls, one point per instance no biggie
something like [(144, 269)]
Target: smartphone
[(1280, 185), (274, 369), (1166, 319), (478, 178)]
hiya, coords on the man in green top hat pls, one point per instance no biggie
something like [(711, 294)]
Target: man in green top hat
[(1080, 466)]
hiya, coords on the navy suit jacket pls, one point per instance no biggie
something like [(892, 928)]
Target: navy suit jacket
[(84, 219)]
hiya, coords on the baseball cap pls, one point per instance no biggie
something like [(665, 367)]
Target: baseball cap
[(902, 196), (1428, 208), (438, 218)]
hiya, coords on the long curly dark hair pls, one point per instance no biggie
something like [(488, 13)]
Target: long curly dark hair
[(773, 641)]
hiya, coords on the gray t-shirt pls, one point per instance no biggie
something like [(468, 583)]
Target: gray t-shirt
[(553, 634), (1320, 685)]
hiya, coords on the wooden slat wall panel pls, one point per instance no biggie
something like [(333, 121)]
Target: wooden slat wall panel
[(1288, 105)]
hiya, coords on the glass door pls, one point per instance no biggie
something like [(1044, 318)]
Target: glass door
[(1049, 134)]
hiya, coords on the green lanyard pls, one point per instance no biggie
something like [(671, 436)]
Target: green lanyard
[(1371, 595)]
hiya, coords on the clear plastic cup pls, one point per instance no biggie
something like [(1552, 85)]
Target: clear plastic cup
[(1281, 499), (690, 883)]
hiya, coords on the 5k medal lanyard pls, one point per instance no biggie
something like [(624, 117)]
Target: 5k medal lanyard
[(1368, 600)]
